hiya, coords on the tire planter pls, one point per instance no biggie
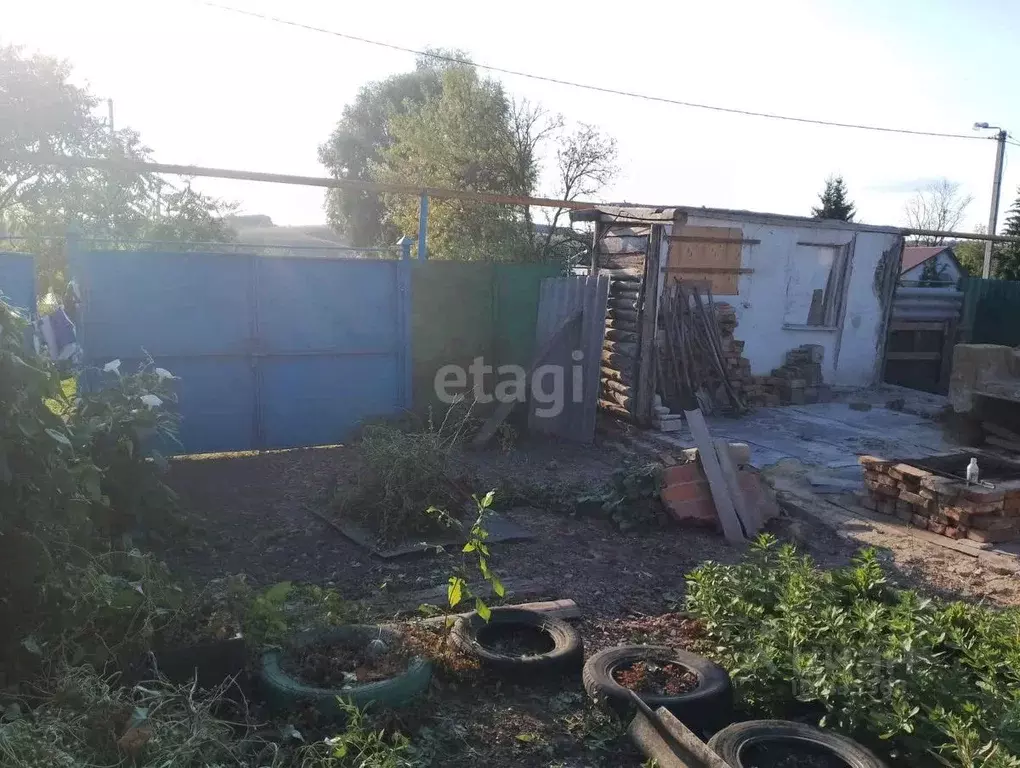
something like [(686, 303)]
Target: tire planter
[(284, 693), (471, 634), (707, 706), (741, 744)]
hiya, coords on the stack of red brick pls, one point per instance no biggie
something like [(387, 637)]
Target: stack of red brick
[(738, 367), (940, 504), (688, 498), (796, 382)]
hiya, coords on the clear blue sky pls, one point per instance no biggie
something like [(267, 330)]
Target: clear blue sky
[(209, 87)]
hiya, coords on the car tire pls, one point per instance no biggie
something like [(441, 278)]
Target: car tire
[(707, 706), (472, 633), (730, 741), (284, 693)]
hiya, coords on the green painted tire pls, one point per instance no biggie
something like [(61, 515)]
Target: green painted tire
[(284, 693)]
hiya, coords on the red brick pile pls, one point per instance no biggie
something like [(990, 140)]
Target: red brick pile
[(688, 498), (940, 504), (796, 382)]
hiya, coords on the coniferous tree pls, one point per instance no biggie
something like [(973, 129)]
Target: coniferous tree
[(835, 201)]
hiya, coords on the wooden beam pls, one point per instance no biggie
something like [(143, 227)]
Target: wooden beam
[(710, 270), (916, 325), (704, 239), (823, 245), (750, 520), (679, 747), (732, 529), (649, 320)]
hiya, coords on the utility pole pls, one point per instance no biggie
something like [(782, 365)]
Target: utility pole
[(993, 213), (113, 139)]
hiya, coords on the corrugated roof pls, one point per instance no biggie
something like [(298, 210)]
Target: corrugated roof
[(918, 254)]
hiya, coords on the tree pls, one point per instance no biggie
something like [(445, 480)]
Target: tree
[(459, 139), (939, 207), (444, 126), (355, 150), (971, 253), (835, 201), (1007, 257), (42, 112)]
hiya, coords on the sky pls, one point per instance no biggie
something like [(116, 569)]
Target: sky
[(209, 87)]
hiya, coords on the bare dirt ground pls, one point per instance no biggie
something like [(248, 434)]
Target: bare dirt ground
[(253, 515)]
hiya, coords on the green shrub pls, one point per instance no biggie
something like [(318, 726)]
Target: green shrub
[(74, 473), (402, 474), (882, 664)]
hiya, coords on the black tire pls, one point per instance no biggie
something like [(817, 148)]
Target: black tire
[(707, 706), (284, 693), (566, 653), (729, 742)]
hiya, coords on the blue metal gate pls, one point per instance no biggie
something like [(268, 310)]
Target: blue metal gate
[(17, 281), (270, 351)]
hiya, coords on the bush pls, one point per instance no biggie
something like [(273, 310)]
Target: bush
[(73, 475), (402, 474), (878, 663)]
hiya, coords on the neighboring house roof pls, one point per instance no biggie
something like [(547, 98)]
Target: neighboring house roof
[(918, 254)]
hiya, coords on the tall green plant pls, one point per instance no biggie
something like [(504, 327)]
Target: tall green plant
[(883, 664)]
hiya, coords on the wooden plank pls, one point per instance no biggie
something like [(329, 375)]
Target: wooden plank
[(649, 323), (747, 514), (822, 245), (716, 483), (593, 334), (503, 410), (915, 325), (913, 356), (702, 239), (684, 749), (710, 270), (710, 248), (558, 609)]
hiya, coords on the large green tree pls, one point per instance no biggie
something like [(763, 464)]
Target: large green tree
[(834, 201), (445, 126), (355, 150), (1007, 258), (41, 111)]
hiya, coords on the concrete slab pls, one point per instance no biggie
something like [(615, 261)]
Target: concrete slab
[(830, 435)]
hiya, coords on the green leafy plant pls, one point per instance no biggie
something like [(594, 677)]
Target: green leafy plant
[(909, 675), (277, 612), (476, 551), (358, 746)]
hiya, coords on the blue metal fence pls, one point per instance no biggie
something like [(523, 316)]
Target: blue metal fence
[(271, 352), (17, 281)]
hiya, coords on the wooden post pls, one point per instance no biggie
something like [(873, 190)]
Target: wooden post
[(645, 390)]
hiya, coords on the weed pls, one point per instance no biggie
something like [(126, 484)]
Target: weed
[(630, 499), (358, 746), (888, 666), (85, 720), (401, 475), (271, 616)]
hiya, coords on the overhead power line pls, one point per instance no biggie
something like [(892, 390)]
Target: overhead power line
[(585, 86)]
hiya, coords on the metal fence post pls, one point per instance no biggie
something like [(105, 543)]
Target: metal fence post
[(423, 227), (404, 283), (405, 247)]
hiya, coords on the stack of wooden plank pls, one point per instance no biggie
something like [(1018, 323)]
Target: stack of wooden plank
[(692, 358), (940, 504)]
